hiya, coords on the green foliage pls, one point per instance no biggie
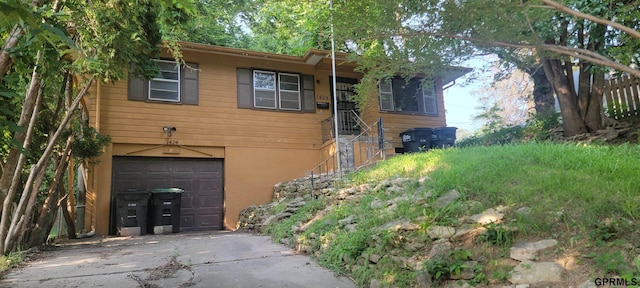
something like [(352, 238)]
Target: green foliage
[(539, 125), (513, 134), (497, 234), (441, 269), (10, 260), (501, 273), (595, 180), (611, 263), (89, 143)]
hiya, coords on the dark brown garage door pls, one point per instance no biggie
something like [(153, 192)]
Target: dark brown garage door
[(202, 200)]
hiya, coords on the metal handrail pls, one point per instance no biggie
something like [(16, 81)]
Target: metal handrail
[(372, 149)]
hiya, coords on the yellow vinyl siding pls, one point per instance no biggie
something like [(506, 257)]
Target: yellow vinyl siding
[(216, 120)]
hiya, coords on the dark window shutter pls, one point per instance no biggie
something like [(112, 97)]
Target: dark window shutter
[(138, 89), (189, 84), (245, 91), (308, 94)]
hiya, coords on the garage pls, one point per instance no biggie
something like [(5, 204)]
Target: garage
[(202, 206)]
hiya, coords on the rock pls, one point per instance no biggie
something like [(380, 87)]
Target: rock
[(413, 246), (609, 133), (440, 232), (350, 227), (456, 284), (534, 272), (283, 215), (395, 190), (488, 216), (375, 283), (296, 203), (440, 249), (346, 221), (588, 284), (423, 280), (374, 258), (467, 230), (523, 211), (423, 179), (377, 204), (446, 199), (529, 251), (268, 220), (401, 261), (400, 181), (466, 273), (399, 225)]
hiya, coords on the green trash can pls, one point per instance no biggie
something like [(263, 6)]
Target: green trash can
[(165, 210), (131, 211)]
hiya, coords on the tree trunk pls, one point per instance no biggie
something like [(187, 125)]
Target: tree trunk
[(594, 116), (40, 231), (542, 91), (42, 228), (8, 235), (571, 120), (6, 61), (9, 181), (15, 160), (64, 205)]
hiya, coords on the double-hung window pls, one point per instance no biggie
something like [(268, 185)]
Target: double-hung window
[(264, 89), (166, 85), (278, 91), (174, 84), (414, 96), (273, 90)]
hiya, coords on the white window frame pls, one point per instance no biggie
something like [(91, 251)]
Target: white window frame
[(423, 109), (165, 80), (280, 90), (432, 88), (274, 90), (389, 94)]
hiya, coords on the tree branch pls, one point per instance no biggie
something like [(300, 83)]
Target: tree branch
[(579, 53), (561, 8)]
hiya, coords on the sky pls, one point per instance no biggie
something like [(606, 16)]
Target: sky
[(461, 99), (460, 103)]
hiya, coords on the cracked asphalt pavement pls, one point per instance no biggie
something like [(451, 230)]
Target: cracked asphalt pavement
[(202, 259)]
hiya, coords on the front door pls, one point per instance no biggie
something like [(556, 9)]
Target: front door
[(348, 115)]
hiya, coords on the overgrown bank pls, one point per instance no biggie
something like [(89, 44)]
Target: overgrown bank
[(457, 216)]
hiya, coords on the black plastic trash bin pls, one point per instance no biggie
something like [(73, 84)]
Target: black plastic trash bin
[(416, 139), (443, 137), (165, 208), (131, 210)]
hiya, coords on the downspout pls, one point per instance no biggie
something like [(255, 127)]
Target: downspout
[(335, 97), (449, 86)]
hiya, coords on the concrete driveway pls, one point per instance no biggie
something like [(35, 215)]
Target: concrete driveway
[(207, 259)]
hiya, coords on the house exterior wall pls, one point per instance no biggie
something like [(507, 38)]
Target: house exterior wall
[(395, 123), (260, 147)]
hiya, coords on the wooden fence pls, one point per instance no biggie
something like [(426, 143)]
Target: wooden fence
[(622, 97)]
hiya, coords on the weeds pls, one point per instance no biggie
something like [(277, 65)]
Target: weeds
[(9, 261), (568, 188)]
